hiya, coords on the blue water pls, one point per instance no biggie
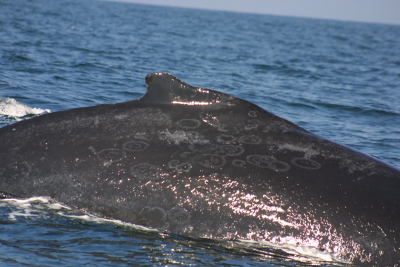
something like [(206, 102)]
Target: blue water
[(340, 80)]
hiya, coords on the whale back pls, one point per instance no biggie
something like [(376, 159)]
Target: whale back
[(202, 163)]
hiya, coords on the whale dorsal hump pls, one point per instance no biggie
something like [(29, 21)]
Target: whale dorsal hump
[(164, 88)]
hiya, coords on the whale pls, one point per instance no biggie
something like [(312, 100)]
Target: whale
[(200, 163)]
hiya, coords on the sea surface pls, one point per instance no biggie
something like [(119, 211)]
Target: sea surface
[(340, 80)]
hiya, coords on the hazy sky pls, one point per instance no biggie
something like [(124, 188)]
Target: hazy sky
[(381, 11)]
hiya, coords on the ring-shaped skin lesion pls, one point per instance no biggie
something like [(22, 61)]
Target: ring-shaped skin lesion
[(212, 161), (188, 123), (179, 167), (252, 113), (146, 171), (265, 161), (238, 162), (304, 163), (21, 169), (111, 155), (178, 215), (250, 139), (154, 216), (229, 150), (134, 146), (226, 139)]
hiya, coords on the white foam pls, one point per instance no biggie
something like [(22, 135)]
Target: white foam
[(31, 207), (12, 108), (299, 252), (37, 206), (94, 219)]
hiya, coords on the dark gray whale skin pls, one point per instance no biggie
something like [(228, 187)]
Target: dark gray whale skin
[(201, 163)]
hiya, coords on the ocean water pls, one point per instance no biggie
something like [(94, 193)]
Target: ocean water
[(340, 80)]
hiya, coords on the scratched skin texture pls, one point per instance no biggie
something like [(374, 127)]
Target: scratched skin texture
[(201, 163)]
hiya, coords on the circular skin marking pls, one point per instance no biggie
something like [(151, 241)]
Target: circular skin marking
[(252, 113), (269, 162), (250, 139), (279, 166), (259, 160), (252, 124), (226, 139), (111, 155), (173, 163), (178, 215), (185, 154), (134, 146), (230, 150), (145, 171), (306, 163), (189, 123), (254, 121), (212, 161), (238, 162), (16, 170), (153, 216), (183, 167)]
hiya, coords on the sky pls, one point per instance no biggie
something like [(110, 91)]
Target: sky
[(379, 11)]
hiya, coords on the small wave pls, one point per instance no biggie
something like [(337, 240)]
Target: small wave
[(11, 108), (364, 110), (300, 253), (281, 68), (15, 57), (39, 207), (29, 208), (42, 208)]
